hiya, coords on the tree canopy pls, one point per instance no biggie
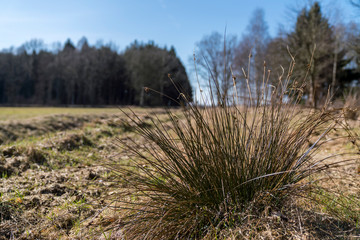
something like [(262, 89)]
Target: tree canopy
[(152, 67), (88, 75), (326, 54)]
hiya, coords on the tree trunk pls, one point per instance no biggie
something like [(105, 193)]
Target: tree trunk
[(142, 97), (312, 93), (333, 82)]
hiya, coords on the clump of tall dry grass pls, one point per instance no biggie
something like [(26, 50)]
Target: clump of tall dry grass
[(199, 173), (352, 106)]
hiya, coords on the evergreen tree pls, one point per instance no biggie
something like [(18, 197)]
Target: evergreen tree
[(148, 66), (312, 44)]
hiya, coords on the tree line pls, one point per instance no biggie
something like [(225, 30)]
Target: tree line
[(88, 75), (325, 51)]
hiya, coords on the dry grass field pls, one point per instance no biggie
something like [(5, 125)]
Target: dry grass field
[(57, 183), (53, 181)]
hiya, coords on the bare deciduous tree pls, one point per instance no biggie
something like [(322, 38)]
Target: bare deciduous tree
[(214, 57), (254, 41)]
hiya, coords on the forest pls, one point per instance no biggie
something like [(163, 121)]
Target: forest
[(326, 51), (86, 75)]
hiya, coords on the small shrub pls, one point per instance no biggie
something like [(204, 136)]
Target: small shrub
[(197, 174)]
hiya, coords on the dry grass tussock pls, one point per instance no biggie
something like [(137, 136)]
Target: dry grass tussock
[(352, 106), (225, 170)]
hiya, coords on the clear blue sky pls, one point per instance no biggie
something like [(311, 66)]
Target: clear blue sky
[(180, 23)]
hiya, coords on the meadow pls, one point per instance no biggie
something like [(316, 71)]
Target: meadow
[(70, 173), (54, 183)]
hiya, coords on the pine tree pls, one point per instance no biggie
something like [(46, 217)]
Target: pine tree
[(312, 45)]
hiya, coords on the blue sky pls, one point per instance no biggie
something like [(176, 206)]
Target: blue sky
[(180, 23)]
